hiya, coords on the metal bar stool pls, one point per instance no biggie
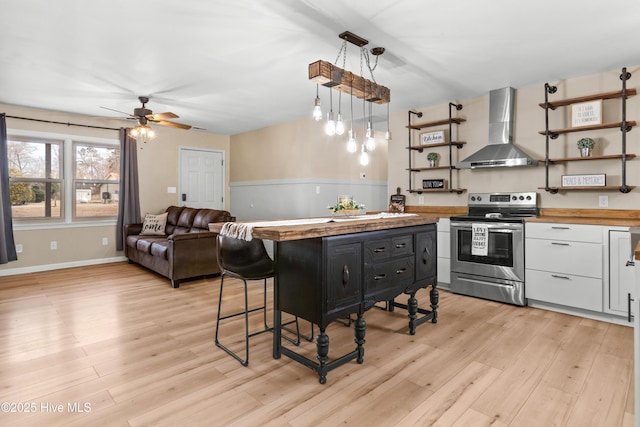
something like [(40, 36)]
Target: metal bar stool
[(246, 260)]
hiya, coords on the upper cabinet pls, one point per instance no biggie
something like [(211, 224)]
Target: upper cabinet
[(586, 115), (438, 141)]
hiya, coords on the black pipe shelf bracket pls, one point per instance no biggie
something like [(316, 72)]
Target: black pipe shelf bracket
[(450, 121), (624, 125)]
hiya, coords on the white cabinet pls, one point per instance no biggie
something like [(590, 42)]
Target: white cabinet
[(444, 251), (564, 264), (621, 274)]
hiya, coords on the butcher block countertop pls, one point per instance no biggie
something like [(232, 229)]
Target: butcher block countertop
[(359, 224), (612, 217)]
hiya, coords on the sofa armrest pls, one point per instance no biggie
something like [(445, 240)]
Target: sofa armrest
[(130, 229)]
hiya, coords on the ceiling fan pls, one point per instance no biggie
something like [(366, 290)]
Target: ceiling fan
[(144, 115)]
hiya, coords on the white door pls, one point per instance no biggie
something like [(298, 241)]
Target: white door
[(201, 178)]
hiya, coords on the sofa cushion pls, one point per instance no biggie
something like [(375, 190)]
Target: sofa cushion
[(206, 216), (159, 248), (173, 213), (154, 225)]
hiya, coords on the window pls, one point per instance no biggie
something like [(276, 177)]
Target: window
[(96, 180), (62, 178), (35, 178)]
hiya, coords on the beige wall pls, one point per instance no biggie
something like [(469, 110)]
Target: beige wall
[(301, 149), (529, 119), (158, 169)]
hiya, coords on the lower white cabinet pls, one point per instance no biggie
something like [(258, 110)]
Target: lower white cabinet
[(621, 272), (564, 264), (444, 251)]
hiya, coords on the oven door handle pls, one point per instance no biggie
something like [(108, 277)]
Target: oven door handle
[(483, 282)]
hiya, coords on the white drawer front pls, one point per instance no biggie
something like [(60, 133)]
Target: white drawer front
[(571, 232), (564, 289), (578, 258)]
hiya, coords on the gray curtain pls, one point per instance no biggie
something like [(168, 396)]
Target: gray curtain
[(129, 197), (7, 244)]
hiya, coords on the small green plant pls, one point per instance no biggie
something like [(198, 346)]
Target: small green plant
[(586, 143), (432, 156), (345, 205)]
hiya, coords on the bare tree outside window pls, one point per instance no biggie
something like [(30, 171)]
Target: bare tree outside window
[(96, 180)]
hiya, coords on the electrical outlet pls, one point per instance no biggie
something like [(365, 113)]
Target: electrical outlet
[(19, 248), (363, 175), (53, 245), (105, 241), (421, 200), (603, 201)]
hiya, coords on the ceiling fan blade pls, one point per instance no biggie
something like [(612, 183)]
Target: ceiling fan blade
[(162, 116), (172, 124), (117, 111)]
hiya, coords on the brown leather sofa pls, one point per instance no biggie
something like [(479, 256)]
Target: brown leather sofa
[(188, 248)]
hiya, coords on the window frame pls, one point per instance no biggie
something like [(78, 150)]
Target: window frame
[(67, 199)]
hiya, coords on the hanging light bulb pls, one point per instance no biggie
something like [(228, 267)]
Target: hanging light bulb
[(339, 122), (387, 135), (317, 110), (352, 145), (370, 141), (330, 127), (339, 125), (364, 157), (133, 132)]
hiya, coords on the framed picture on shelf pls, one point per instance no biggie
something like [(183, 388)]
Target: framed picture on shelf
[(427, 138), (433, 183), (586, 113), (594, 180)]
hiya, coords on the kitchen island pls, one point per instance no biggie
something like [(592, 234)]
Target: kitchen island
[(332, 269)]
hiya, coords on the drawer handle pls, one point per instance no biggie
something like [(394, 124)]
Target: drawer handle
[(376, 250), (629, 315), (380, 277), (560, 244), (561, 228), (400, 245), (401, 270), (560, 277), (345, 275)]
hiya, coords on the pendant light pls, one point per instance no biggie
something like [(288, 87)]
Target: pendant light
[(387, 135), (339, 122), (352, 145), (370, 135), (330, 127), (317, 110), (364, 157)]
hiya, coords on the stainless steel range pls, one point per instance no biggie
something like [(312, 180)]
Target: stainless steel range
[(487, 246)]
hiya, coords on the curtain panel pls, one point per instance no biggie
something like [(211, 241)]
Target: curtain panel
[(7, 243), (129, 203)]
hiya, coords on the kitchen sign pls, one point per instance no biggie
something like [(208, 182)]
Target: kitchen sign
[(427, 138)]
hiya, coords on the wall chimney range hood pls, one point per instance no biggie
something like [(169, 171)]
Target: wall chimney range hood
[(500, 150)]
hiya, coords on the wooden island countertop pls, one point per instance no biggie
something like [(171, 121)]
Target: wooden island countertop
[(359, 224)]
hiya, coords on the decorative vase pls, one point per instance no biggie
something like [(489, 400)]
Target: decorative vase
[(585, 152)]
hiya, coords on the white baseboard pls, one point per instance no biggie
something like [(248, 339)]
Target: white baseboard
[(49, 267), (603, 317)]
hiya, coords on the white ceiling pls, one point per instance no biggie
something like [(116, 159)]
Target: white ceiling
[(237, 65)]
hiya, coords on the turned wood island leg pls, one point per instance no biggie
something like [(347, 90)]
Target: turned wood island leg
[(322, 345), (434, 296), (360, 329), (412, 308)]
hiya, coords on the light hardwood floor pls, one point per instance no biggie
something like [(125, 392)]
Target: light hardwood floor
[(119, 339)]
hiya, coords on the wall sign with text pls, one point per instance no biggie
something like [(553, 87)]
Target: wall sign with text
[(427, 138), (586, 113)]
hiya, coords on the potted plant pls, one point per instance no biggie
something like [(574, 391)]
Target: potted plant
[(432, 157), (586, 145)]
